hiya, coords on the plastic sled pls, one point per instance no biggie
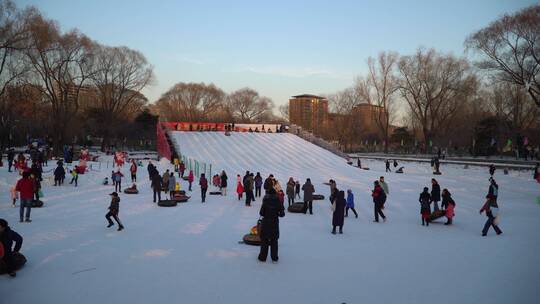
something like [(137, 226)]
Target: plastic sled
[(436, 214), (252, 239), (167, 203), (37, 204), (131, 191), (215, 193), (318, 197), (437, 173), (180, 198), (296, 208), (19, 260)]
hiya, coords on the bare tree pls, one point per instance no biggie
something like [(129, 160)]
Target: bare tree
[(284, 111), (61, 64), (247, 106), (191, 102), (511, 47), (434, 86), (119, 75), (378, 89)]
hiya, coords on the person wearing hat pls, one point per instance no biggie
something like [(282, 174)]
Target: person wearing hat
[(492, 211), (114, 209), (271, 211)]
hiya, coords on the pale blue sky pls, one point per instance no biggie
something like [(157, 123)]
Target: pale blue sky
[(280, 48)]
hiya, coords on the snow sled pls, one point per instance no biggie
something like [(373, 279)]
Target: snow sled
[(400, 170), (436, 214), (179, 198), (318, 197), (131, 190), (215, 193), (167, 203), (437, 173), (296, 208), (252, 239), (37, 203), (349, 163), (364, 168), (185, 178), (18, 258)]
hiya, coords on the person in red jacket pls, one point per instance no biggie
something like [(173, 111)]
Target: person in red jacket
[(203, 182), (190, 179), (133, 170), (26, 188), (379, 197)]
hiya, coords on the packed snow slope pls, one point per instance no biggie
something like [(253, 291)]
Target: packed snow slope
[(282, 154), (191, 254)]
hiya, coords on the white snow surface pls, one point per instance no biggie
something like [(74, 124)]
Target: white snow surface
[(191, 254)]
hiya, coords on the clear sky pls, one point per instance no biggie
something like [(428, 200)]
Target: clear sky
[(280, 48)]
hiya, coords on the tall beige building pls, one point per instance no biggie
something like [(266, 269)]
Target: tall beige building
[(309, 111)]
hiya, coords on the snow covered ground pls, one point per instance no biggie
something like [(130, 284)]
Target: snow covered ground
[(190, 254)]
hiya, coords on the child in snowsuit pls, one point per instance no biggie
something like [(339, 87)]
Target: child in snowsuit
[(492, 211), (118, 181), (190, 179), (114, 209), (425, 209), (350, 203), (74, 177), (297, 189)]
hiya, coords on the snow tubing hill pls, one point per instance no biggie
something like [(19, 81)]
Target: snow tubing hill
[(296, 208), (252, 239), (131, 191), (167, 203), (37, 204), (19, 260), (318, 197)]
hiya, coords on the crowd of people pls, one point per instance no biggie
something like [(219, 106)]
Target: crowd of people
[(433, 202)]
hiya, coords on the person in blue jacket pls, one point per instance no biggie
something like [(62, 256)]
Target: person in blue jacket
[(350, 204)]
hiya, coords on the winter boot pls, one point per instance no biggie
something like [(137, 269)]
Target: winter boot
[(120, 228)]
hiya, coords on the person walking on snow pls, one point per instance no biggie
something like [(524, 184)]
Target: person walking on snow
[(191, 178), (379, 197), (74, 177), (448, 205), (388, 166), (385, 188), (26, 187), (157, 186), (492, 211), (435, 194), (271, 211), (203, 182), (10, 158), (181, 169), (338, 207), (239, 187), (118, 180), (133, 171), (290, 190), (491, 169), (248, 188), (493, 188), (350, 203), (114, 209), (165, 181), (297, 189), (425, 209), (223, 183), (59, 174), (308, 196), (258, 184), (172, 184)]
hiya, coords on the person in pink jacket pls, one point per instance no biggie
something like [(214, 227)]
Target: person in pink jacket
[(190, 179), (448, 205)]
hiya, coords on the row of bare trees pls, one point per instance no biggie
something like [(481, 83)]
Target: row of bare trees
[(65, 76), (206, 102), (443, 98)]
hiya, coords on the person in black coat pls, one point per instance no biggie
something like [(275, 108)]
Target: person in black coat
[(425, 209), (435, 194), (271, 211), (7, 238), (10, 158), (114, 209), (388, 166), (59, 174), (491, 169), (223, 184), (339, 212), (157, 185), (536, 171), (269, 183)]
